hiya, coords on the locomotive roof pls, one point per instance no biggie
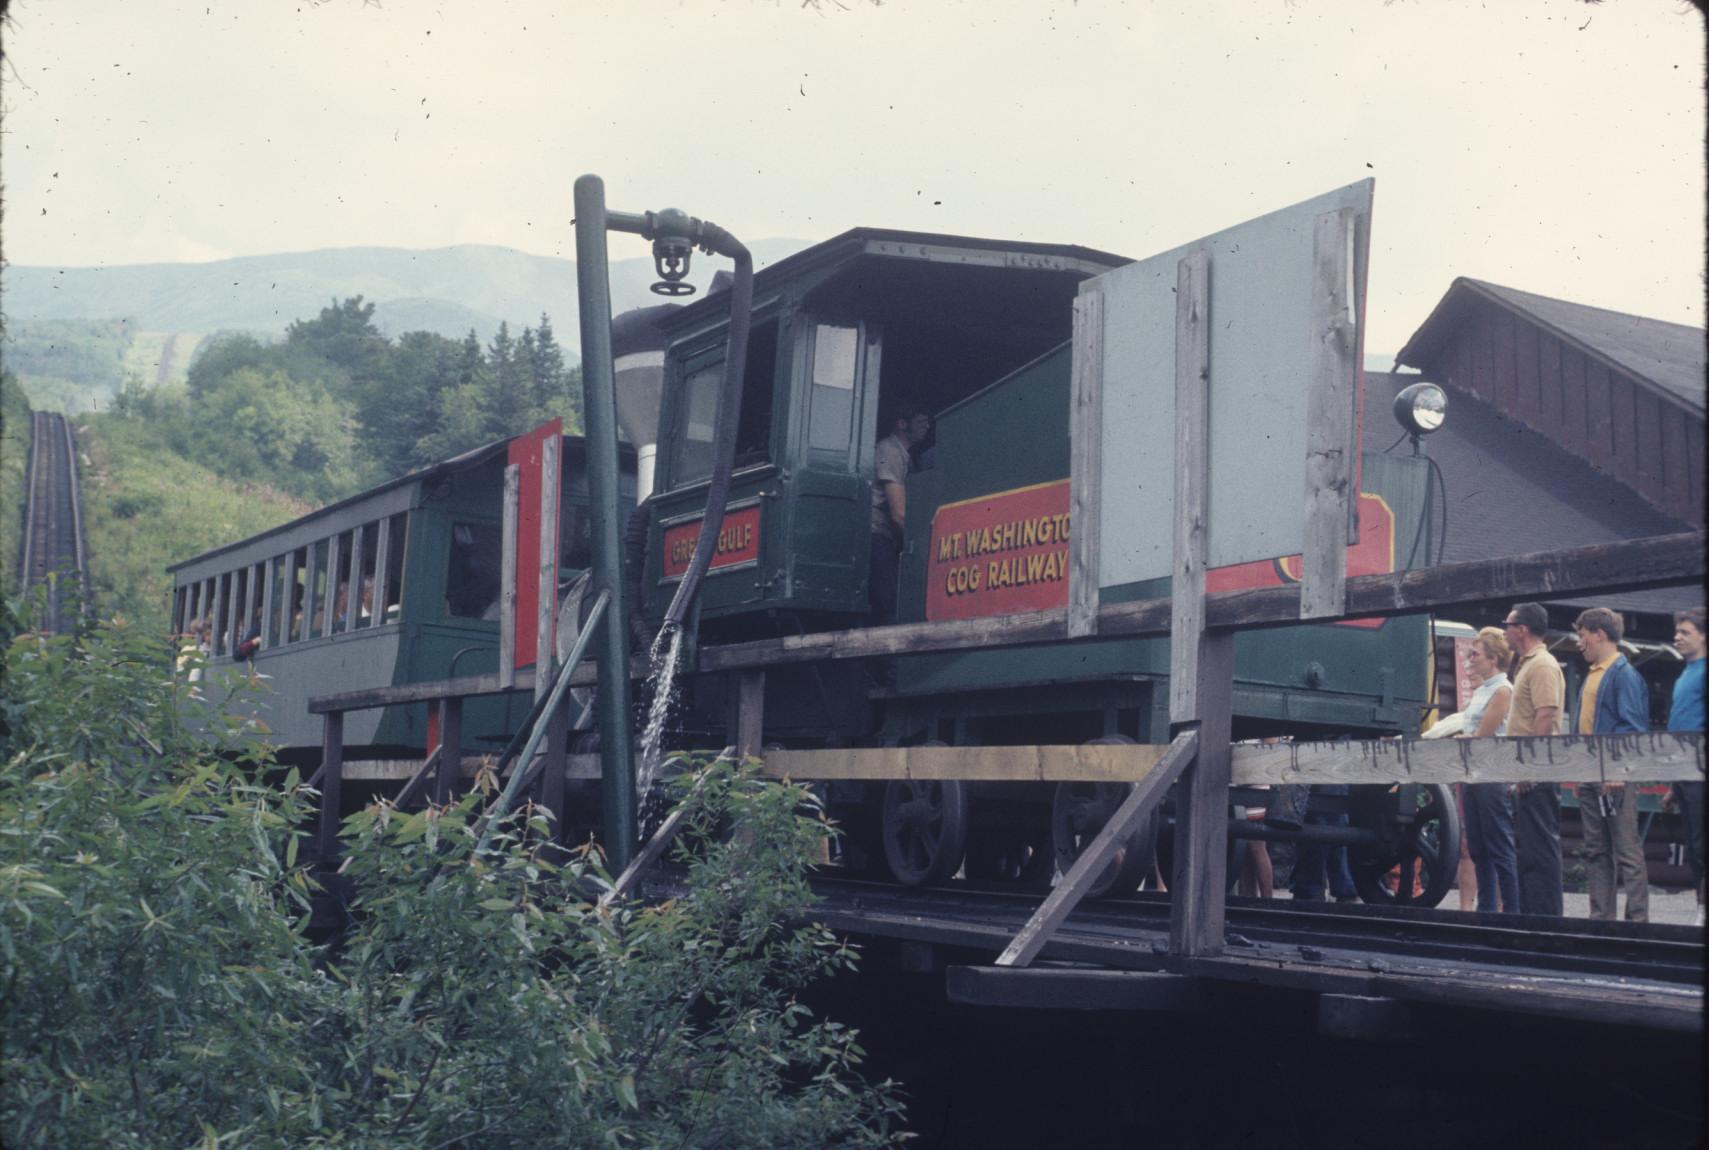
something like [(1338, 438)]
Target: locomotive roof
[(890, 243), (474, 457)]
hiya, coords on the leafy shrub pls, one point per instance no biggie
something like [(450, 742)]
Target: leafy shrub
[(159, 990)]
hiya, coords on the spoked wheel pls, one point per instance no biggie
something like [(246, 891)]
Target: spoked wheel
[(924, 829), (1080, 810), (1421, 852), (1015, 848)]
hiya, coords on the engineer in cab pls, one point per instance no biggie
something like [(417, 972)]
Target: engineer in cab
[(909, 427)]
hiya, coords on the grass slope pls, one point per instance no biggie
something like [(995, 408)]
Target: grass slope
[(145, 507), (14, 452)]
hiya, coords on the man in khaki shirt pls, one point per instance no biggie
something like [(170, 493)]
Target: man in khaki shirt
[(1539, 692)]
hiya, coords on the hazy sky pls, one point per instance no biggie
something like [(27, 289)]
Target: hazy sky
[(1549, 145)]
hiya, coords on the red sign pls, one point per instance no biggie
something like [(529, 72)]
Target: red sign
[(1372, 555), (1463, 685), (999, 554), (1008, 552), (738, 542), (527, 453)]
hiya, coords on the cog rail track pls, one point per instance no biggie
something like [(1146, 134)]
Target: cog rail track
[(1648, 975), (52, 544)]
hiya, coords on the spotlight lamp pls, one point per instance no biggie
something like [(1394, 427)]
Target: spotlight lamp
[(1420, 408)]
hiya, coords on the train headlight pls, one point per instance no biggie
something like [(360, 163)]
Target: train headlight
[(1420, 408)]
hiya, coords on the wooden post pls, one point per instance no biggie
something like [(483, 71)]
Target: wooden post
[(745, 728), (556, 755), (382, 560), (288, 601), (1085, 464), (507, 578), (1192, 455), (1201, 663), (268, 591), (330, 619), (1329, 419), (353, 590), (447, 778), (544, 650), (1066, 895), (1200, 882), (331, 784)]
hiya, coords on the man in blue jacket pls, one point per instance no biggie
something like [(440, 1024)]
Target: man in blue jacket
[(1614, 699)]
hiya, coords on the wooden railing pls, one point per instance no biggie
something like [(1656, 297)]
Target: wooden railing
[(1662, 561)]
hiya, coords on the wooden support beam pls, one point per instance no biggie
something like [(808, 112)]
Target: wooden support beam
[(654, 850), (547, 604), (450, 749), (1660, 756), (553, 758), (746, 725), (507, 576), (1072, 887), (1192, 465), (418, 782), (1105, 764), (1085, 463), (1080, 988), (1602, 568), (1329, 418), (1200, 882), (331, 786)]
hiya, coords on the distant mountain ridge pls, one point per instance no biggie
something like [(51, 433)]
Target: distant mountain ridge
[(444, 290)]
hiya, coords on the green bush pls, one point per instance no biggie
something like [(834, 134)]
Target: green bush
[(158, 988)]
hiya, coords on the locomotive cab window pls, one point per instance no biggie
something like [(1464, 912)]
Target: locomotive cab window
[(392, 594), (696, 408), (472, 571)]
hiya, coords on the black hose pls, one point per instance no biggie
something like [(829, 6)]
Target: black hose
[(717, 240), (634, 568)]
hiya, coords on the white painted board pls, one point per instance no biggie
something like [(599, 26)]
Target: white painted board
[(1261, 342)]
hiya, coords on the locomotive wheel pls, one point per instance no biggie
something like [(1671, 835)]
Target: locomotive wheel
[(1426, 850), (924, 828), (1080, 810), (1017, 851)]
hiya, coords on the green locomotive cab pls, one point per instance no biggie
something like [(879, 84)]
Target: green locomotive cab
[(841, 333)]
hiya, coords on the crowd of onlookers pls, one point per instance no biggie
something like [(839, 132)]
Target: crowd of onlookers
[(1511, 837)]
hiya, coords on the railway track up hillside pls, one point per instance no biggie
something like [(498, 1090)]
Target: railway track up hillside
[(52, 544)]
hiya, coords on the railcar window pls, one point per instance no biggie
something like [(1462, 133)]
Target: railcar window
[(831, 412), (472, 575), (341, 583), (299, 595), (370, 536), (317, 590), (397, 529), (180, 624)]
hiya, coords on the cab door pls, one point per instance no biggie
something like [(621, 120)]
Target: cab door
[(838, 361)]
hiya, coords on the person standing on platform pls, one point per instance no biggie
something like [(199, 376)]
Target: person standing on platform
[(1489, 806), (1539, 692), (1612, 700), (1686, 714)]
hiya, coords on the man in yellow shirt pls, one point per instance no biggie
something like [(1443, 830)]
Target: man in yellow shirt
[(1613, 700), (1539, 692)]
